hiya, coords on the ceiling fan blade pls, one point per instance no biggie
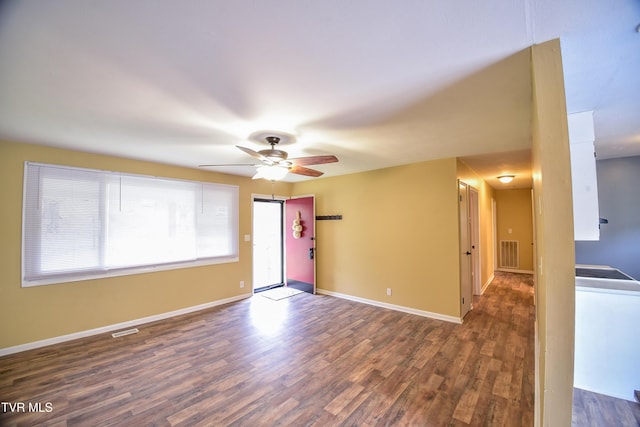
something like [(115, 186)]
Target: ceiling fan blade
[(305, 171), (228, 164), (313, 160), (252, 153)]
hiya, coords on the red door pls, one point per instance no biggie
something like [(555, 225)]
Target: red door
[(299, 230)]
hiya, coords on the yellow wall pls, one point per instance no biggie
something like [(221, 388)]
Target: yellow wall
[(485, 196), (553, 223), (399, 230), (42, 312), (514, 213)]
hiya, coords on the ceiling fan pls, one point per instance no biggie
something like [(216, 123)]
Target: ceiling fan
[(275, 163)]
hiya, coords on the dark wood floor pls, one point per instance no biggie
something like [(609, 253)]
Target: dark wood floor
[(597, 410), (306, 360)]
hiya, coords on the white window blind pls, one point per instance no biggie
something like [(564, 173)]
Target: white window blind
[(80, 223)]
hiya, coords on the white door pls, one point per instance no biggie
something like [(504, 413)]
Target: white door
[(474, 221), (465, 250)]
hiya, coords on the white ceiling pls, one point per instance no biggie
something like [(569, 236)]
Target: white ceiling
[(375, 82)]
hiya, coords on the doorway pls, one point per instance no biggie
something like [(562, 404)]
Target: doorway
[(300, 243), (474, 229), (466, 271), (268, 244)]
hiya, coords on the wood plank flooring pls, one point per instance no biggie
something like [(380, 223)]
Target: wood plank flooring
[(597, 410), (308, 360)]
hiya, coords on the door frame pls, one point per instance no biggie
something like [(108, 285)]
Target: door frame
[(476, 254), (494, 233), (464, 244), (313, 240), (266, 198)]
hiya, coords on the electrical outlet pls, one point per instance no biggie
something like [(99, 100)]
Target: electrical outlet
[(242, 283), (388, 292)]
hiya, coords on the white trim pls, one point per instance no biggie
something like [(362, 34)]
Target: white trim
[(314, 240), (401, 308), (128, 271), (116, 326), (464, 244), (268, 197), (536, 372), (273, 197), (487, 283), (302, 196), (514, 270), (476, 246), (494, 232)]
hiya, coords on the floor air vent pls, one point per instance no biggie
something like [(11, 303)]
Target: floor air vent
[(508, 254), (125, 332)]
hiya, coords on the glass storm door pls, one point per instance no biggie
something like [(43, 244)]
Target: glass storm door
[(267, 244)]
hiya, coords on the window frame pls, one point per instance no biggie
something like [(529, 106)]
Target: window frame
[(105, 272)]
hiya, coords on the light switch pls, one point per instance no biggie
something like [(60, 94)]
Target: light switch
[(247, 237)]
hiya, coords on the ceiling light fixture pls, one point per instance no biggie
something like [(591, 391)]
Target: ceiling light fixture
[(505, 179)]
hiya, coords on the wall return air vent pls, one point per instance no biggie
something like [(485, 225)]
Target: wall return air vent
[(509, 253), (125, 332)]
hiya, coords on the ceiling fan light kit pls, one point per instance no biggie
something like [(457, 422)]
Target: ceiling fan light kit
[(276, 163), (272, 173)]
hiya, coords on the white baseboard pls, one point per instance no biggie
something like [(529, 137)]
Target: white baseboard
[(537, 399), (401, 308), (487, 283), (514, 270), (109, 328)]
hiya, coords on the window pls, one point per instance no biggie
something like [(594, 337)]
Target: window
[(80, 224)]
